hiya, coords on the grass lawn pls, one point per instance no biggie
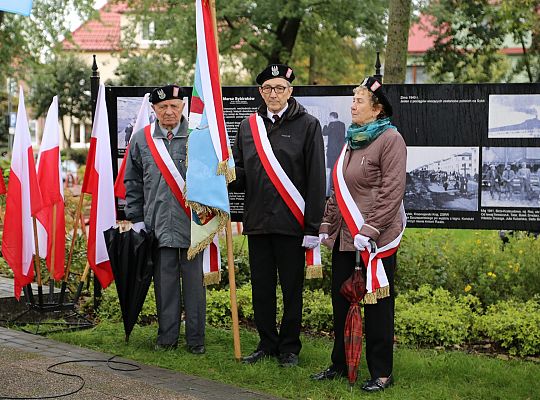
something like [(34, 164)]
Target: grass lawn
[(420, 374)]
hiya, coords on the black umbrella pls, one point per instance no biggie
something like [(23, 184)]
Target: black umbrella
[(130, 255)]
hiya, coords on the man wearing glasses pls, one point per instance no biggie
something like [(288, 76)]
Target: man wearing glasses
[(279, 156)]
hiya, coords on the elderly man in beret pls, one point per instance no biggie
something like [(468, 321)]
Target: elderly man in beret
[(155, 168), (279, 156)]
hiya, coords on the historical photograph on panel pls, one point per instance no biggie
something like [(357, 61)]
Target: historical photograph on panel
[(510, 177), (334, 114), (127, 109), (442, 178), (514, 116)]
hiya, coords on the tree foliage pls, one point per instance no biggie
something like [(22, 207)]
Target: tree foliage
[(69, 78), (26, 41), (320, 38), (469, 35)]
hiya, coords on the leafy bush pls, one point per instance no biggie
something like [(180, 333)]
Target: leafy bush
[(513, 325), (77, 155), (317, 308), (317, 315), (109, 308), (433, 317), (469, 262)]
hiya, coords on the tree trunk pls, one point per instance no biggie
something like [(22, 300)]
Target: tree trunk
[(395, 65), (286, 33), (312, 68), (67, 137)]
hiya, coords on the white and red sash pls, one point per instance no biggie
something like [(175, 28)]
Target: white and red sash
[(376, 280), (163, 160), (283, 184)]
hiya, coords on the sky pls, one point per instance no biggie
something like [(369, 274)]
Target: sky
[(75, 21)]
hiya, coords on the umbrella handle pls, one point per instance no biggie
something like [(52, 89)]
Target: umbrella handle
[(357, 259), (373, 246)]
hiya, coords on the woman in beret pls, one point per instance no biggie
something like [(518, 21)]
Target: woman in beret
[(365, 213)]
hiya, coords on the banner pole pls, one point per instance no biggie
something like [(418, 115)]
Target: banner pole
[(78, 213), (53, 251), (37, 263), (232, 292), (81, 283), (228, 230)]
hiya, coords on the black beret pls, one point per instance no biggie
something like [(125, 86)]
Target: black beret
[(168, 92), (276, 71), (375, 87)]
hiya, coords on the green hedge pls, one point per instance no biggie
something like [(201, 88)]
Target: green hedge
[(430, 317), (512, 325), (460, 261), (470, 262), (427, 317)]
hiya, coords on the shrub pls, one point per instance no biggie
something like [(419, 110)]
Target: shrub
[(513, 325), (77, 155), (469, 262), (109, 308), (317, 315), (430, 317)]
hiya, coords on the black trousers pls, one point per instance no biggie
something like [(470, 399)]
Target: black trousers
[(271, 256), (378, 318)]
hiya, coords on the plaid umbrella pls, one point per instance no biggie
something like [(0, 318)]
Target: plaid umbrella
[(354, 289)]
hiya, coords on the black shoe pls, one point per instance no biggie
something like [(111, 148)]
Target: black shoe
[(165, 347), (328, 374), (196, 348), (255, 356), (375, 385), (288, 360)]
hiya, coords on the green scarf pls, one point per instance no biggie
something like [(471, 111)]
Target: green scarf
[(359, 136)]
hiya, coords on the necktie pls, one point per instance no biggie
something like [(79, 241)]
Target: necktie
[(276, 118), (169, 136)]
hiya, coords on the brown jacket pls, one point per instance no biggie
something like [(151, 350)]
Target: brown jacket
[(375, 177)]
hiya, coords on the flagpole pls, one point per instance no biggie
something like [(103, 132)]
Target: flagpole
[(81, 283), (53, 251), (78, 214), (232, 292), (37, 263), (228, 232)]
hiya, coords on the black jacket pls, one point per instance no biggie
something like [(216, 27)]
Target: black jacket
[(298, 146)]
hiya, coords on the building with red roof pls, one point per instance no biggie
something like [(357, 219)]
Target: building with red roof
[(420, 42)]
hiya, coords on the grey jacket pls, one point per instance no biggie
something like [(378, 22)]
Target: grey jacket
[(149, 197)]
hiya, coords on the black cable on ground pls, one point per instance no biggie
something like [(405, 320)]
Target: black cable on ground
[(109, 362)]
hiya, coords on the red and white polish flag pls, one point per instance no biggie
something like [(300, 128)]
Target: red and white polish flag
[(3, 189), (98, 181), (22, 202), (52, 193)]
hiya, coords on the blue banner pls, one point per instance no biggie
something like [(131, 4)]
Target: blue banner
[(23, 7)]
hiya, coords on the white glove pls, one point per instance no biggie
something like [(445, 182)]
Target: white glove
[(310, 242), (323, 236), (361, 242), (138, 226)]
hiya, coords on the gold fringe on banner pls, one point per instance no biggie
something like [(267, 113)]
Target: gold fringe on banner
[(380, 293), (314, 272), (223, 169), (204, 211), (212, 278)]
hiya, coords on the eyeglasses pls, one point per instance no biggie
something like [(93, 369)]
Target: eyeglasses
[(278, 89)]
